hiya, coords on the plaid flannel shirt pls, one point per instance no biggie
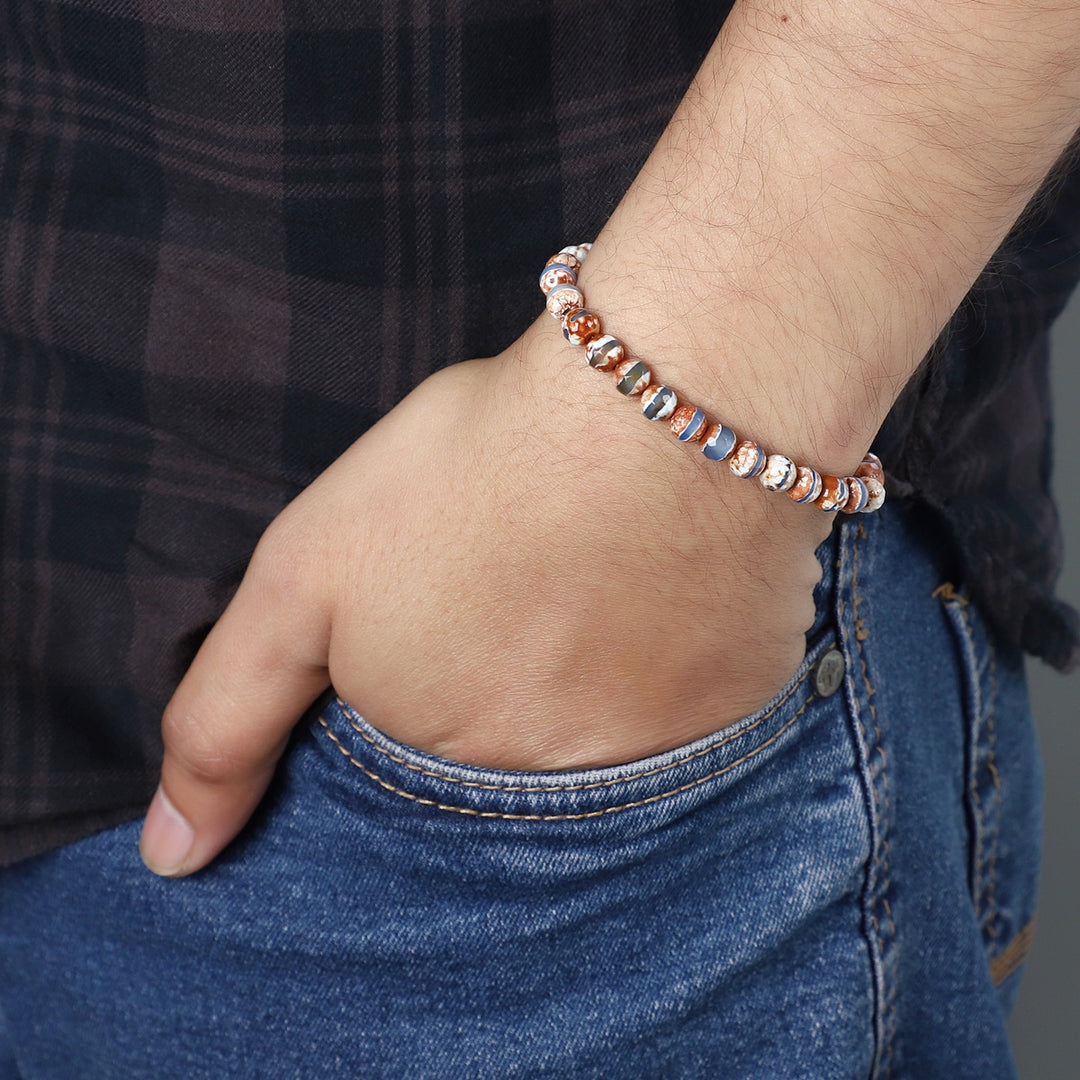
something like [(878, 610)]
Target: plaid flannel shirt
[(237, 232)]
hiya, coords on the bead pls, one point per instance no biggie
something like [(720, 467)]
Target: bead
[(688, 423), (875, 490), (858, 496), (564, 298), (566, 257), (579, 251), (604, 352), (833, 495), (556, 274), (871, 466), (631, 377), (780, 473), (807, 486), (580, 326), (719, 442), (748, 459), (658, 402)]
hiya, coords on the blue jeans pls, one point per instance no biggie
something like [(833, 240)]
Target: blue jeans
[(840, 885)]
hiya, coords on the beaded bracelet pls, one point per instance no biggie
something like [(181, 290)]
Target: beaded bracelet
[(862, 493)]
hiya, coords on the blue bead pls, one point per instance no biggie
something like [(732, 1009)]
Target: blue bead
[(690, 432), (720, 445), (858, 495), (634, 379), (659, 403)]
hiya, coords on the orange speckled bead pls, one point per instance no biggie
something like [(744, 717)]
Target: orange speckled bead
[(871, 467), (807, 486), (858, 495), (876, 490), (834, 493), (564, 298), (688, 423), (581, 326), (748, 459), (567, 258), (556, 274)]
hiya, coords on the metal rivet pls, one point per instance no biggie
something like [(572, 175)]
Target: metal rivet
[(829, 673)]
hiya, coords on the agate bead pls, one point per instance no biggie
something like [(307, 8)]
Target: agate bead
[(658, 402), (564, 298), (556, 274), (580, 326), (858, 495), (748, 459), (876, 495), (631, 377), (834, 493), (779, 474), (807, 486), (719, 442), (688, 423), (566, 257), (871, 467), (604, 352)]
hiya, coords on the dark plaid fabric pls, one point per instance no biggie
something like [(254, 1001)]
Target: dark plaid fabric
[(236, 232)]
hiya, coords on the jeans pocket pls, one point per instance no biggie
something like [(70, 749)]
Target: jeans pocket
[(1003, 788), (365, 761)]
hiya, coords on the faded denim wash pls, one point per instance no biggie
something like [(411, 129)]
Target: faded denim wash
[(840, 885)]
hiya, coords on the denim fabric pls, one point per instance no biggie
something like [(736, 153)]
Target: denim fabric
[(840, 885)]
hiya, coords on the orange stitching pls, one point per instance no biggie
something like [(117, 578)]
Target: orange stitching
[(1014, 954), (947, 591), (538, 788), (470, 812)]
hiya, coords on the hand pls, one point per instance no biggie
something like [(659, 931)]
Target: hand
[(513, 568)]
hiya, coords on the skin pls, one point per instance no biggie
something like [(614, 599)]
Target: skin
[(826, 193)]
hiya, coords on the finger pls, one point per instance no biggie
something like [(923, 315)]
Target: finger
[(261, 666)]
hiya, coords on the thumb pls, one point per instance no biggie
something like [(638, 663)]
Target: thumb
[(260, 667)]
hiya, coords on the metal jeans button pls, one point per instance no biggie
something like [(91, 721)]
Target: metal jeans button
[(829, 673)]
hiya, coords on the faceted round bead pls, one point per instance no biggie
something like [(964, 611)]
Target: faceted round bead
[(748, 459), (871, 466), (579, 251), (807, 486), (834, 493), (719, 442), (631, 377), (858, 495), (566, 258), (580, 326), (658, 402), (564, 298), (556, 274), (875, 495), (604, 352), (780, 473), (688, 423)]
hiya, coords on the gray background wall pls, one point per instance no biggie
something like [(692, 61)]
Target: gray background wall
[(1045, 1026)]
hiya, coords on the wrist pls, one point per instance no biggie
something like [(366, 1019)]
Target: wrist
[(777, 377)]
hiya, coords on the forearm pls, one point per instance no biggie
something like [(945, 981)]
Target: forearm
[(828, 190)]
